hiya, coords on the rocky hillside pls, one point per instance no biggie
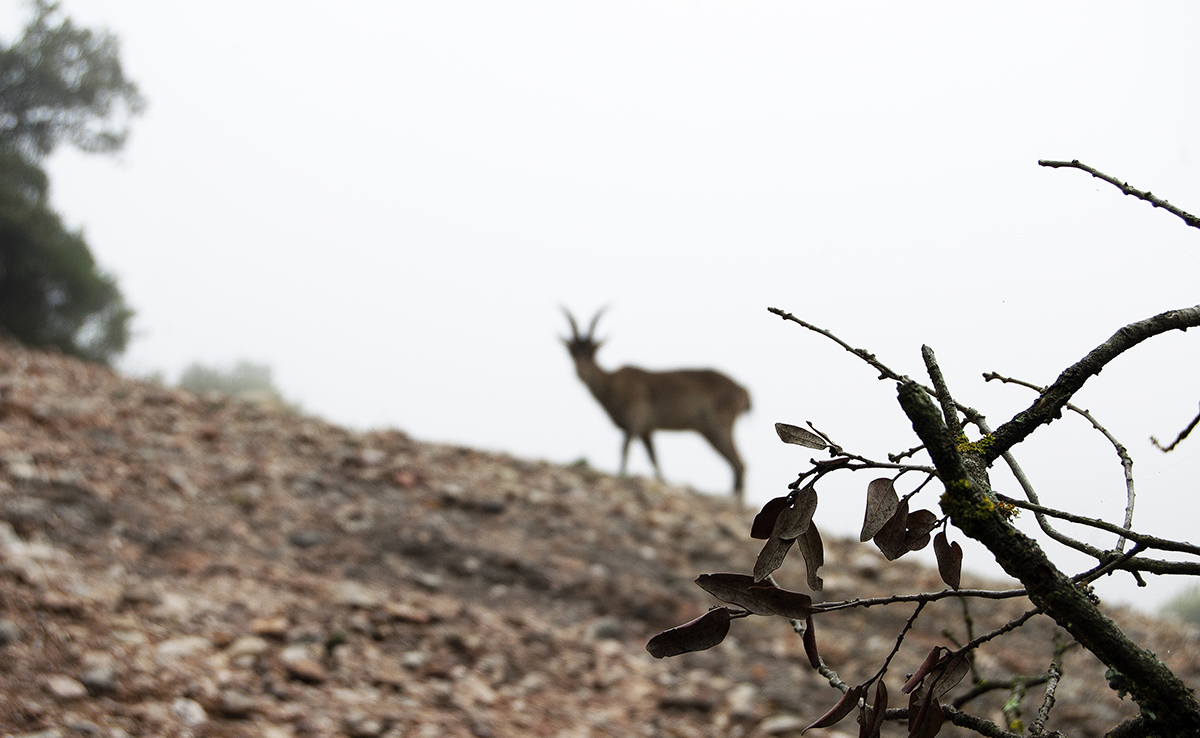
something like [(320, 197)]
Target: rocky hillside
[(175, 565)]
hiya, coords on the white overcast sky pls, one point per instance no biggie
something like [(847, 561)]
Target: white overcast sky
[(388, 202)]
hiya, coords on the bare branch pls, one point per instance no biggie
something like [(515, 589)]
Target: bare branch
[(867, 356), (1049, 406), (1161, 544), (986, 594), (1182, 435), (971, 507), (942, 392), (899, 640), (1053, 675), (1124, 187), (1122, 453), (1010, 625), (982, 726)]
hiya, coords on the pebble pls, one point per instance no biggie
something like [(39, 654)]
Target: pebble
[(64, 687), (10, 632), (299, 664), (189, 711)]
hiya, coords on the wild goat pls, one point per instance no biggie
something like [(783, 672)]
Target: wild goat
[(641, 402)]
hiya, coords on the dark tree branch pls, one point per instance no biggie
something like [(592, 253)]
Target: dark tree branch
[(1161, 544), (1124, 187), (985, 594), (972, 509), (1122, 452), (980, 725), (1049, 405), (1182, 435)]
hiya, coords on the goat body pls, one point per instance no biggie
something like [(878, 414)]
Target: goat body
[(640, 402)]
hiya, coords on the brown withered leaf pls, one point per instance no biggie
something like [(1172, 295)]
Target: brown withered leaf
[(935, 656), (700, 634), (844, 706), (892, 538), (771, 557), (764, 522), (784, 602), (794, 520), (925, 715), (799, 436), (878, 709), (952, 671), (919, 526), (810, 643), (814, 556), (881, 505), (734, 589), (949, 559)]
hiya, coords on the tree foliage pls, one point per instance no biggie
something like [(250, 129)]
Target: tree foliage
[(58, 83), (245, 380), (958, 469)]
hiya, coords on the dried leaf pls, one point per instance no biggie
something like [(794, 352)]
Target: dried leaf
[(700, 634), (810, 643), (814, 555), (799, 436), (926, 719), (881, 505), (879, 708), (952, 672), (892, 538), (844, 706), (794, 520), (919, 526), (734, 589), (764, 522), (949, 559), (926, 666), (771, 557), (785, 602)]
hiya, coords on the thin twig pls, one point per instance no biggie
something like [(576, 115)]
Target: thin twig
[(1182, 435), (1009, 626), (1124, 187), (1122, 453), (942, 392), (1161, 544), (982, 726), (899, 640), (986, 594), (1049, 405), (1053, 674)]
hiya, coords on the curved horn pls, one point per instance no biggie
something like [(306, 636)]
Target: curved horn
[(592, 328), (571, 320)]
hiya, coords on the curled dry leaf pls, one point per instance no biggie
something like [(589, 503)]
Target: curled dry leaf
[(771, 557), (794, 520), (844, 706), (764, 522), (935, 656), (700, 634), (925, 715), (881, 505), (785, 602), (814, 556), (892, 538), (799, 436), (952, 670), (810, 643), (734, 589), (949, 559), (879, 708), (919, 525)]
